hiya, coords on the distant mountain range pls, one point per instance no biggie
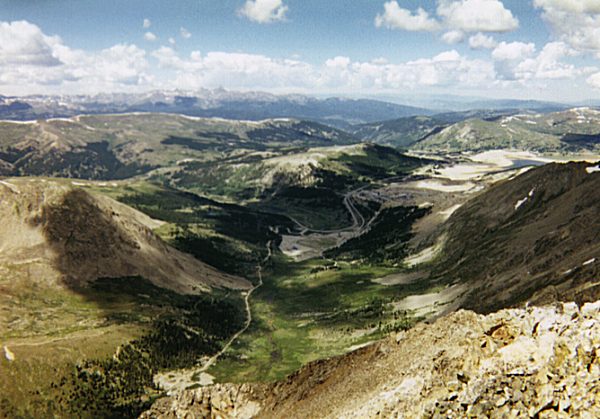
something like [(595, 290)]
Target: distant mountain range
[(453, 103), (221, 103), (571, 130), (341, 112)]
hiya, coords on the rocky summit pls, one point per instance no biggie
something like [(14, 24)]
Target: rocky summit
[(537, 362)]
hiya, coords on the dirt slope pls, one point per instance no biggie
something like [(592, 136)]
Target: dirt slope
[(72, 237)]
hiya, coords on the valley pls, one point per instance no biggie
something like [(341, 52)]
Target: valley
[(255, 209), (152, 254)]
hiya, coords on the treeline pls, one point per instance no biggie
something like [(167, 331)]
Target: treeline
[(217, 251)]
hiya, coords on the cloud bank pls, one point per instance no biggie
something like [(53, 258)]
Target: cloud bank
[(34, 62)]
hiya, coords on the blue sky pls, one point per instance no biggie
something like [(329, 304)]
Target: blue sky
[(542, 49)]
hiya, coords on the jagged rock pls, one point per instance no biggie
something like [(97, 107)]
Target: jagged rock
[(536, 362), (218, 401)]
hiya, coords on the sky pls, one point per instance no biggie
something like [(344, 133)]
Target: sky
[(522, 49)]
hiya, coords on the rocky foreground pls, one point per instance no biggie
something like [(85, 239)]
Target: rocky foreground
[(533, 362)]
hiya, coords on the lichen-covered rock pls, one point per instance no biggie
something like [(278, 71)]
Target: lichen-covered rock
[(536, 362)]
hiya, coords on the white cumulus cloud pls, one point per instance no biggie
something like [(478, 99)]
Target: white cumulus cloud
[(149, 36), (264, 11), (571, 6), (234, 70), (120, 64), (395, 17), (147, 23), (185, 34), (31, 61), (594, 80), (34, 62), (548, 64), (24, 43), (519, 61), (453, 37), (481, 41), (511, 51), (477, 15), (250, 71), (507, 57), (576, 22), (454, 16)]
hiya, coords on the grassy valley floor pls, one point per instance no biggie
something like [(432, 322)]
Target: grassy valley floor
[(310, 310)]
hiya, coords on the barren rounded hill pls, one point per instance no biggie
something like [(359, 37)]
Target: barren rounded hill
[(76, 237), (92, 302)]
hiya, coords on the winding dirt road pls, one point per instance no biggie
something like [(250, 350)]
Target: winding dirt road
[(358, 220), (211, 361)]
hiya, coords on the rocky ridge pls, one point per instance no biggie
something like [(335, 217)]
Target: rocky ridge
[(533, 362)]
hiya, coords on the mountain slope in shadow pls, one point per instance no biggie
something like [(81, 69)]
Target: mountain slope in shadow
[(77, 237), (534, 238)]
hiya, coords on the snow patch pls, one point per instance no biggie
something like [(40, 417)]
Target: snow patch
[(442, 187), (8, 354), (593, 169), (520, 202), (8, 121), (10, 186), (448, 212), (506, 158), (71, 120), (432, 304), (589, 262)]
